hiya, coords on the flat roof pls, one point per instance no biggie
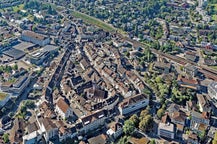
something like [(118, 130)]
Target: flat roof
[(167, 127), (24, 45), (14, 53)]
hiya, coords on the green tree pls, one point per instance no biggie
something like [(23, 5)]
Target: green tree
[(145, 123), (135, 119), (160, 112), (6, 138), (123, 140), (128, 127), (215, 138)]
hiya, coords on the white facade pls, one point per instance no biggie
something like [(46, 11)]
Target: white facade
[(133, 107), (166, 130), (212, 90), (93, 125), (42, 42), (66, 114)]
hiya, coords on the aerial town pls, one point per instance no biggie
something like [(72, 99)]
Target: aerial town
[(108, 71)]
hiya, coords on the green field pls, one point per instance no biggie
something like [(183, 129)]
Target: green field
[(3, 95), (17, 8), (93, 21)]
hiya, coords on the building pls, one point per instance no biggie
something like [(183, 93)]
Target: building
[(63, 109), (18, 87), (116, 129), (35, 38), (166, 130), (190, 70), (199, 122), (40, 56), (48, 128), (93, 121), (203, 103), (212, 90), (133, 103), (188, 83)]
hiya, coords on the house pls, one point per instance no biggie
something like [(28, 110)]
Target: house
[(99, 139), (188, 83), (17, 131), (178, 117), (193, 138), (190, 70), (33, 134), (133, 103), (96, 95), (48, 128), (203, 103), (35, 38), (166, 130), (115, 131), (63, 109), (93, 121), (212, 90), (199, 122), (162, 67), (190, 56), (173, 108)]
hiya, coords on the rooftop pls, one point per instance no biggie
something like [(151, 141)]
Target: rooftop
[(168, 127), (3, 95)]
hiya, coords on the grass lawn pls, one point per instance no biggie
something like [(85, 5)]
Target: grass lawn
[(19, 7), (214, 67), (3, 95), (94, 21)]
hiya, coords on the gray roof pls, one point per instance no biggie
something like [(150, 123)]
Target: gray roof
[(14, 53)]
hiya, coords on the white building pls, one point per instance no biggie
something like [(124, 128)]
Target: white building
[(93, 121), (116, 129), (63, 109), (48, 128), (212, 90), (166, 130), (133, 103), (35, 38)]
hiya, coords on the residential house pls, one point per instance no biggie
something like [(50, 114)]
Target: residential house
[(35, 38), (93, 121), (166, 130), (96, 95), (190, 70), (115, 131), (47, 127), (199, 122), (162, 67), (33, 134), (133, 103), (190, 56), (204, 105), (17, 131), (188, 83), (212, 90), (193, 139), (63, 109)]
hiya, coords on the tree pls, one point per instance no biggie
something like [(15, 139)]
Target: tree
[(6, 138), (15, 67), (129, 127), (215, 138), (145, 123), (123, 140), (160, 112), (152, 141), (135, 119), (144, 113)]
